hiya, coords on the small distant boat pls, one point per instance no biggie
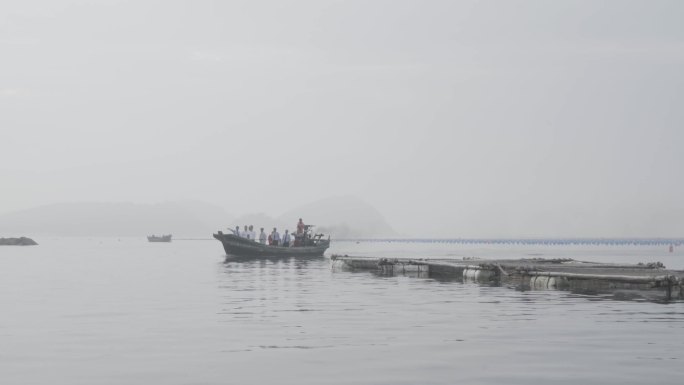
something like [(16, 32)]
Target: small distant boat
[(243, 247), (160, 238)]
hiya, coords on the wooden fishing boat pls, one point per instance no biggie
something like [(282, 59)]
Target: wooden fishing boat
[(161, 238), (243, 247)]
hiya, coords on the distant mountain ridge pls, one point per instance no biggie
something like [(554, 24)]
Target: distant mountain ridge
[(341, 217), (116, 219)]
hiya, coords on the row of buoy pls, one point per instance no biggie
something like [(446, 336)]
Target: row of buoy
[(543, 242), (477, 274)]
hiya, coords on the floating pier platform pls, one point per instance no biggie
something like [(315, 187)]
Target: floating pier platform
[(650, 281)]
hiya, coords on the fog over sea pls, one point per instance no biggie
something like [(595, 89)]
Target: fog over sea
[(390, 119), (125, 311)]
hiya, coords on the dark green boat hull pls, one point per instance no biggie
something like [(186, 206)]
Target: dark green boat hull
[(241, 247)]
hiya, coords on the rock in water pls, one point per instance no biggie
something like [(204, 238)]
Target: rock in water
[(23, 241)]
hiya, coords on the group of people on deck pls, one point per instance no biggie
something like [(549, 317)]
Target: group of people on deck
[(274, 238)]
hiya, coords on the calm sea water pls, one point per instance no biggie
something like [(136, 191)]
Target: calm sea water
[(109, 311)]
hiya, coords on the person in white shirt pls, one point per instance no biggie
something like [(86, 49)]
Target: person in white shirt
[(262, 237), (245, 233), (286, 239), (236, 231), (275, 236), (252, 234)]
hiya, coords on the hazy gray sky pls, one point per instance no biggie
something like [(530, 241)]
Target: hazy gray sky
[(453, 118)]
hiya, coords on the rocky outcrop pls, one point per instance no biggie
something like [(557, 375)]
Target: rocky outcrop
[(23, 241)]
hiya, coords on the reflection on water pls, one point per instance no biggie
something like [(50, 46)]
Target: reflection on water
[(79, 312), (275, 259)]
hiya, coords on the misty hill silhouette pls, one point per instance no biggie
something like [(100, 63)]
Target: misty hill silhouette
[(116, 219), (342, 217), (339, 216)]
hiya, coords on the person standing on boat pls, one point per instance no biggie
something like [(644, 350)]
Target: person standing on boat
[(286, 239), (246, 233), (262, 237), (236, 231), (252, 234), (275, 236), (300, 227)]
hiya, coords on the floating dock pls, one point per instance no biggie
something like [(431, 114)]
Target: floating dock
[(650, 281)]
